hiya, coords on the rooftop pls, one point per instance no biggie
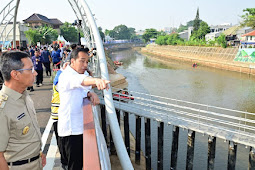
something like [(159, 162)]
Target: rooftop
[(231, 31), (252, 33), (39, 18)]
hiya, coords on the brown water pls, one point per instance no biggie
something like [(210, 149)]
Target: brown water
[(200, 85)]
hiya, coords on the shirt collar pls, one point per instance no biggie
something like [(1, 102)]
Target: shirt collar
[(12, 93), (71, 70)]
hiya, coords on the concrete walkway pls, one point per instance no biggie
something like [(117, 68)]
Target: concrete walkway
[(42, 102)]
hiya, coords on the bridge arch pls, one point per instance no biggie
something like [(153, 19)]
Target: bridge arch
[(82, 11)]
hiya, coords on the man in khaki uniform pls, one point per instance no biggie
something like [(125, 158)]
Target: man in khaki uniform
[(20, 137)]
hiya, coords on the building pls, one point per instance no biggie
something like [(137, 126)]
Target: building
[(220, 28), (216, 30), (7, 35), (186, 34), (231, 35), (37, 20), (248, 40), (169, 30), (212, 36), (108, 39), (243, 31)]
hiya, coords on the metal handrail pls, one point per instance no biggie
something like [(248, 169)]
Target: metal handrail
[(101, 143), (199, 104), (226, 126)]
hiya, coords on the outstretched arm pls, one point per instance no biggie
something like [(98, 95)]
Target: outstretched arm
[(99, 83)]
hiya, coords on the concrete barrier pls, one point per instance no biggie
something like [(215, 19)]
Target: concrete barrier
[(216, 57)]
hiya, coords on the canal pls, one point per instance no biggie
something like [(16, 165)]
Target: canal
[(179, 80)]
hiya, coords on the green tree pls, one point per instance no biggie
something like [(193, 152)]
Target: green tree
[(122, 32), (42, 34), (135, 38), (48, 34), (201, 32), (101, 33), (161, 33), (149, 33), (69, 32), (161, 40), (112, 34), (221, 40), (248, 18), (196, 24), (173, 39), (182, 28), (33, 35), (131, 30), (106, 32)]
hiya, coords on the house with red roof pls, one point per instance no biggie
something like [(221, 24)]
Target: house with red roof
[(248, 39)]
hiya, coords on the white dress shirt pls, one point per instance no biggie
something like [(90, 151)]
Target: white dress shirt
[(71, 93)]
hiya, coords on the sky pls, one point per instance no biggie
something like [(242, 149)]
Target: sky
[(141, 14)]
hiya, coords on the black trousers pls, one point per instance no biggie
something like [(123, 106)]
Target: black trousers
[(47, 68), (73, 148), (39, 77), (60, 148), (55, 64)]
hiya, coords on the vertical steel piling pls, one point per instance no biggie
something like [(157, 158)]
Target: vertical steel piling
[(232, 147), (138, 140), (190, 150), (160, 145), (174, 151), (126, 131), (147, 133), (103, 118), (252, 159), (211, 152)]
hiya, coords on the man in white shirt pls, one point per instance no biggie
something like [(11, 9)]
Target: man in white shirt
[(73, 86)]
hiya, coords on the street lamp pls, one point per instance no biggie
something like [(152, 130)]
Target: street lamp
[(78, 24)]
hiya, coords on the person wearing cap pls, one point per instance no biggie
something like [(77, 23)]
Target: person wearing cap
[(73, 87), (20, 141)]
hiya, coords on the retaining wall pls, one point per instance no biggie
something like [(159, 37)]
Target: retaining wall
[(217, 57)]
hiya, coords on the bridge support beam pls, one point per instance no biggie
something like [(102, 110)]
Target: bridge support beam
[(190, 150), (211, 152), (232, 148), (160, 145), (138, 140), (252, 159), (147, 133), (126, 132), (174, 151)]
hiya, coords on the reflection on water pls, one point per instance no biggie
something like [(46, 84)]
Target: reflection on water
[(180, 80), (155, 64), (205, 85)]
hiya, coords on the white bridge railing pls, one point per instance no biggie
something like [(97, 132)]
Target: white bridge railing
[(228, 124)]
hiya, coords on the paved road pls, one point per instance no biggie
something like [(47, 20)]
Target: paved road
[(42, 102)]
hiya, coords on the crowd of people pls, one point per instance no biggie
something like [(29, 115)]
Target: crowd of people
[(20, 142)]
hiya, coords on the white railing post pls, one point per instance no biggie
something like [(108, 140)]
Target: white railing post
[(14, 23), (116, 134)]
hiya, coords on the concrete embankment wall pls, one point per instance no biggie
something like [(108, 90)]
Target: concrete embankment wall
[(217, 57)]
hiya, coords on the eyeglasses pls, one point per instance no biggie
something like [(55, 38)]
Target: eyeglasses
[(32, 69)]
